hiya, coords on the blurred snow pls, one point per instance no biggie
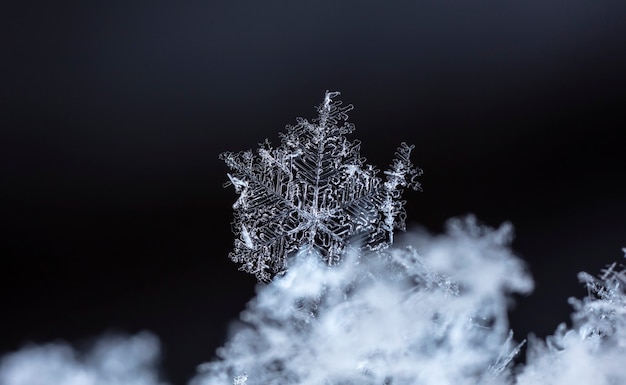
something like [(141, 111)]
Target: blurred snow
[(113, 360), (593, 350), (431, 312), (434, 314)]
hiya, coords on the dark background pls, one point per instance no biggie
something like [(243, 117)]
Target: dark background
[(113, 115)]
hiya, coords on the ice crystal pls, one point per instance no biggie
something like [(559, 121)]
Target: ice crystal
[(602, 314), (592, 350), (315, 193)]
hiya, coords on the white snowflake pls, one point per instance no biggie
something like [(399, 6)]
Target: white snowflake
[(314, 193)]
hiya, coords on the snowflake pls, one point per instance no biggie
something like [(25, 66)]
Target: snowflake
[(314, 194), (602, 313), (241, 379)]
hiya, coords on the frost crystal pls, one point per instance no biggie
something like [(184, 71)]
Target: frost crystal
[(592, 351), (601, 316), (314, 193)]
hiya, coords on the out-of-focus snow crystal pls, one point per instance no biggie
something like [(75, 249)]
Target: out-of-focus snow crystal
[(314, 193), (593, 350), (433, 314), (113, 360)]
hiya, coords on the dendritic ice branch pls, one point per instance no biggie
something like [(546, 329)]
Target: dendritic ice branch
[(314, 193)]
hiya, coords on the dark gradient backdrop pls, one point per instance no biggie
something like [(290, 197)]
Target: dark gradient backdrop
[(113, 115)]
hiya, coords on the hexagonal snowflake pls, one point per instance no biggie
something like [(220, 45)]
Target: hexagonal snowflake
[(314, 193)]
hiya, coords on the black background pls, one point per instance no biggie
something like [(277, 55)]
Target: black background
[(114, 217)]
